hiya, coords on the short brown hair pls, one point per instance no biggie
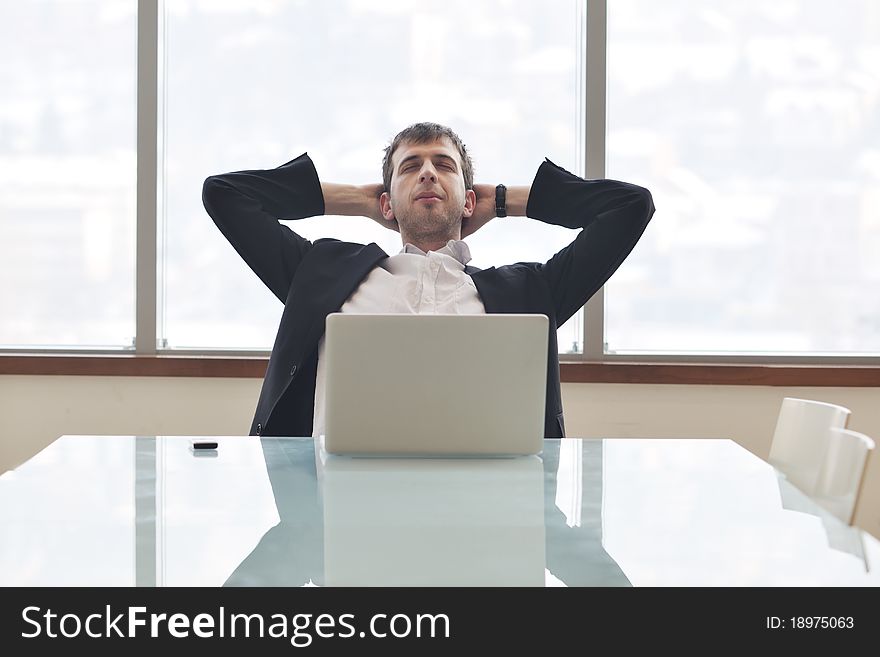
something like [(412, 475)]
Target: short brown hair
[(423, 133)]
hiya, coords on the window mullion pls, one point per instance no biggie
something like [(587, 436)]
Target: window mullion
[(147, 152), (594, 154)]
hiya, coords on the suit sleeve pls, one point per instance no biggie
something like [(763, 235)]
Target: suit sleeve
[(246, 206), (612, 216)]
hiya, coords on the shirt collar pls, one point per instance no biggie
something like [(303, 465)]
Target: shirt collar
[(457, 249)]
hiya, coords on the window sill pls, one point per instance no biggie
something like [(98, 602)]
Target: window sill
[(647, 373)]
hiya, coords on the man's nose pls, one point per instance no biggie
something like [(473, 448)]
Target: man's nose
[(428, 173)]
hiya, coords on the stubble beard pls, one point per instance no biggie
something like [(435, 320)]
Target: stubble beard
[(432, 223)]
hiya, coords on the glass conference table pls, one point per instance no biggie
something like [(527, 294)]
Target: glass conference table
[(148, 511)]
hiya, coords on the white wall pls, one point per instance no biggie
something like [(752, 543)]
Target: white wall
[(34, 410)]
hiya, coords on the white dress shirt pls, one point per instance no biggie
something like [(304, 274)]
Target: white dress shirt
[(411, 282)]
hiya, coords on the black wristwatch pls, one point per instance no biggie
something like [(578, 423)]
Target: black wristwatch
[(500, 201)]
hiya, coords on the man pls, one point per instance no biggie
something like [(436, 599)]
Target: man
[(428, 195)]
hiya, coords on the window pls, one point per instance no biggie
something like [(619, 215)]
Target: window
[(67, 173), (253, 85), (756, 127)]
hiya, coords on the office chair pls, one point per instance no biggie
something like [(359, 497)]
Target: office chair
[(840, 478), (801, 440)]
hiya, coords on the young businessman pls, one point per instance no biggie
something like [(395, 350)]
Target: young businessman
[(429, 196)]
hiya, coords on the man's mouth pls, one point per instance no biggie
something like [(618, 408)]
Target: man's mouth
[(428, 199)]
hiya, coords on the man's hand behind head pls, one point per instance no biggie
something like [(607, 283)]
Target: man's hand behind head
[(373, 210), (484, 210)]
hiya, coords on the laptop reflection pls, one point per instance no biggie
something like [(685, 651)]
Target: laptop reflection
[(433, 522)]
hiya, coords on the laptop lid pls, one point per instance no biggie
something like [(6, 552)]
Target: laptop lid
[(435, 385)]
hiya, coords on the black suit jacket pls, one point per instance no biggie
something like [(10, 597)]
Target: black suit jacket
[(315, 279)]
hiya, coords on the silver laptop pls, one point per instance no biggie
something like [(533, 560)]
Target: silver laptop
[(435, 385)]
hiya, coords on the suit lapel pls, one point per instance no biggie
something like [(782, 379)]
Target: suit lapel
[(495, 291), (322, 288)]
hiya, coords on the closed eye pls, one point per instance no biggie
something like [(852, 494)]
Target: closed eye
[(443, 163)]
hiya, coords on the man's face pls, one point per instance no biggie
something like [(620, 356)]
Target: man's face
[(427, 195)]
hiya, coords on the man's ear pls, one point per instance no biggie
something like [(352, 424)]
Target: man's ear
[(470, 202), (385, 206)]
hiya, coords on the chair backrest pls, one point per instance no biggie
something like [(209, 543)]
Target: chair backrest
[(801, 439), (840, 479)]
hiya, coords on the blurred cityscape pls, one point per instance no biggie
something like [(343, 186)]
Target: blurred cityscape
[(67, 173), (754, 124)]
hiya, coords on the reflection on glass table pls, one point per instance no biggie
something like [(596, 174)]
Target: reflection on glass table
[(147, 511), (423, 522)]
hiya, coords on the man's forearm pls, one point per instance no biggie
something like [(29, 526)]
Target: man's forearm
[(346, 200), (517, 200)]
